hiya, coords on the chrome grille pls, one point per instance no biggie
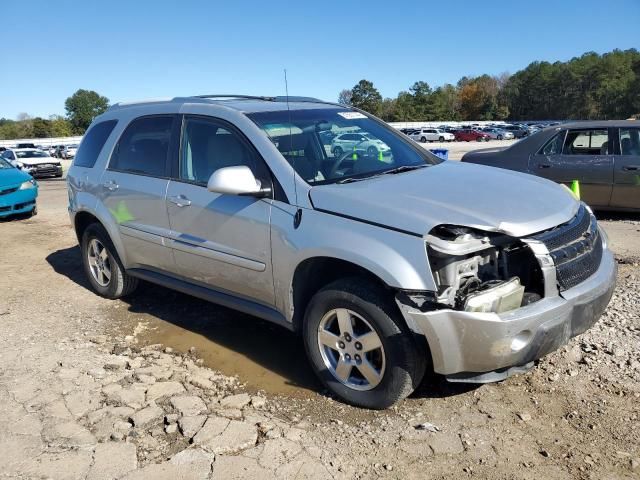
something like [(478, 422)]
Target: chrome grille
[(576, 248)]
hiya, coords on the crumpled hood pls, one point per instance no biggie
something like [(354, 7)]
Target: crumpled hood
[(10, 177), (452, 193)]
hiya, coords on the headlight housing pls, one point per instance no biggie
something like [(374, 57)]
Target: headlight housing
[(28, 185)]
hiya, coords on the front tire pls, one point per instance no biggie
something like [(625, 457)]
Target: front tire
[(441, 139), (102, 265), (359, 346)]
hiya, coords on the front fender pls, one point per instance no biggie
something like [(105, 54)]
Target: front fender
[(398, 259)]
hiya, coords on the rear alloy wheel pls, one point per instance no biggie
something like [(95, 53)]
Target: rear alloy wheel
[(423, 139), (104, 270), (337, 152), (359, 346), (372, 151), (499, 137)]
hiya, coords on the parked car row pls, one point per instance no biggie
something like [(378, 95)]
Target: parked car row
[(473, 132)]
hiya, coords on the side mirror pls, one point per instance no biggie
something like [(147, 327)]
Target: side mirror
[(236, 181)]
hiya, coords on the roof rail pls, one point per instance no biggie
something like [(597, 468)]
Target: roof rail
[(282, 98), (244, 97)]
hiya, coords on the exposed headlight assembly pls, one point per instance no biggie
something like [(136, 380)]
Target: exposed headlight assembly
[(478, 271)]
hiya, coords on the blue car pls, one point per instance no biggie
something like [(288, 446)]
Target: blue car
[(18, 191)]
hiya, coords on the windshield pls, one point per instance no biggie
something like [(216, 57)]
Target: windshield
[(31, 154), (4, 164), (333, 145)]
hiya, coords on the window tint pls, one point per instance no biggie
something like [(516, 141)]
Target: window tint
[(630, 141), (587, 142), (209, 145), (92, 143), (554, 146), (143, 147)]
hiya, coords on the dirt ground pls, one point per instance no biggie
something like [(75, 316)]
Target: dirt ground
[(87, 392)]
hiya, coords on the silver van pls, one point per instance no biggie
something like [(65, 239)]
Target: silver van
[(387, 262)]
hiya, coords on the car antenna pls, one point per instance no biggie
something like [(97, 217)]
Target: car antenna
[(298, 215)]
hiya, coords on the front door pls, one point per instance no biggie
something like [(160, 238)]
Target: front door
[(626, 188), (133, 189), (583, 155), (220, 240)]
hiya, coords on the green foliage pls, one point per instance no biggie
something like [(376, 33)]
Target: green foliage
[(366, 97), (82, 107), (55, 126), (591, 86)]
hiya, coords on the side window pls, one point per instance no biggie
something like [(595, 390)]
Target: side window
[(209, 145), (92, 144), (144, 146), (630, 141), (554, 146), (9, 155), (587, 142)]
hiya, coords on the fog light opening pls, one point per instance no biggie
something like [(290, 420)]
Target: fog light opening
[(520, 341)]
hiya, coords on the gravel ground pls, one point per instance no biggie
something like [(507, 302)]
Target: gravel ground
[(83, 396)]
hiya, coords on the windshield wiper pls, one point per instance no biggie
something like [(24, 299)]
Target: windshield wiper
[(403, 168)]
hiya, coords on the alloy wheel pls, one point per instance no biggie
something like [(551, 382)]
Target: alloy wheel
[(351, 349), (99, 262)]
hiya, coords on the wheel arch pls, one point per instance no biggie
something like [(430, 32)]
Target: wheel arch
[(83, 218), (314, 273)]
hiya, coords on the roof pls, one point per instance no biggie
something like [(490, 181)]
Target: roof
[(242, 103)]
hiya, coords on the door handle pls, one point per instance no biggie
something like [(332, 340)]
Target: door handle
[(180, 201), (111, 185), (544, 165), (630, 168)]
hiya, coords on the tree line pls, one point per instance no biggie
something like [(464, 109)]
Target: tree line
[(81, 107), (591, 86)]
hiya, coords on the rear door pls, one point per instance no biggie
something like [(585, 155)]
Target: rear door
[(626, 188), (220, 240), (579, 154), (133, 188)]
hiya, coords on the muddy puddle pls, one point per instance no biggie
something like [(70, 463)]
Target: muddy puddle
[(264, 356)]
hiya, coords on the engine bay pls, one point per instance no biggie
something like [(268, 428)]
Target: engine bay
[(482, 272)]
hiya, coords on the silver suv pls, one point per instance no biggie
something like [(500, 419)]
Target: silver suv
[(387, 265)]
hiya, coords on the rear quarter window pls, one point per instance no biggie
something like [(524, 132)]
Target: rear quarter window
[(92, 143)]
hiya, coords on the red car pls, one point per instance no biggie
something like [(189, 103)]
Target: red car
[(471, 135)]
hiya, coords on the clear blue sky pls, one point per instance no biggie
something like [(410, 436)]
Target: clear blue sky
[(137, 49)]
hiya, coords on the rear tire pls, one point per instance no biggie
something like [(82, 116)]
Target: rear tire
[(441, 139), (423, 140), (103, 267), (337, 152), (393, 362)]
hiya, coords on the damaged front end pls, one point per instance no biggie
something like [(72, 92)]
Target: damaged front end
[(496, 306), (479, 271)]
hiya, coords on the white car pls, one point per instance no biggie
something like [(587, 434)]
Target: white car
[(358, 142), (35, 162), (498, 133), (69, 151), (432, 135)]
